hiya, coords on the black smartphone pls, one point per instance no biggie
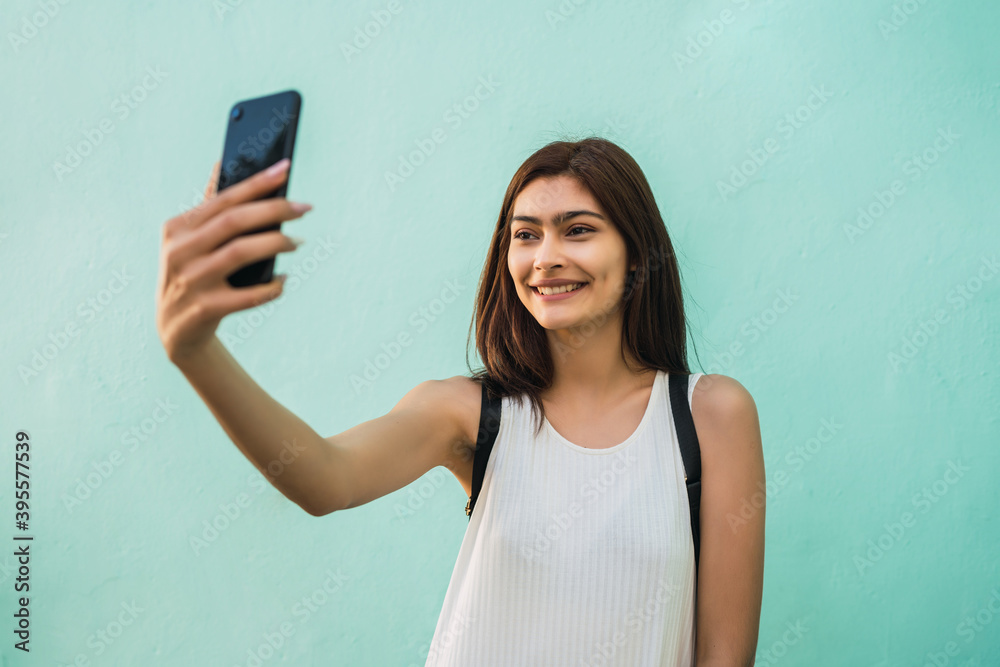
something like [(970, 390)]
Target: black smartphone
[(261, 132)]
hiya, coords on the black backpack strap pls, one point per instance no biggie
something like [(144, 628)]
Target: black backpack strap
[(690, 452), (489, 425)]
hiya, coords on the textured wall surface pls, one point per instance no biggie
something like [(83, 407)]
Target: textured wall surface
[(828, 175)]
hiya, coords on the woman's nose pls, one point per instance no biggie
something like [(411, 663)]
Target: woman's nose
[(549, 251)]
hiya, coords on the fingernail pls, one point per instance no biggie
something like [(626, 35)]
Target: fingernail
[(296, 240), (299, 207), (278, 167)]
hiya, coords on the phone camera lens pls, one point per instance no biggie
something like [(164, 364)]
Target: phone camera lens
[(237, 113)]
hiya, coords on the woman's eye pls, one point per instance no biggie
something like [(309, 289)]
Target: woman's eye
[(573, 229)]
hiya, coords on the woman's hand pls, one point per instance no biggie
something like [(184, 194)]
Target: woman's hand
[(199, 248)]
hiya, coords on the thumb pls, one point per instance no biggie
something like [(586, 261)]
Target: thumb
[(213, 181)]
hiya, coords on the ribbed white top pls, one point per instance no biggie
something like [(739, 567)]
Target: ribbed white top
[(575, 556)]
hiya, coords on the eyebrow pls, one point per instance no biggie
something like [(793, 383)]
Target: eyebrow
[(558, 218)]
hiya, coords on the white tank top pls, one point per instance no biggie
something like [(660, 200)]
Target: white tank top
[(575, 557)]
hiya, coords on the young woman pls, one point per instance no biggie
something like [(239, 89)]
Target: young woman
[(579, 550)]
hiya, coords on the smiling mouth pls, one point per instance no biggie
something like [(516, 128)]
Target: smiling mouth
[(580, 287)]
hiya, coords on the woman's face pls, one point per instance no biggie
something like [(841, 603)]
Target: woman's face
[(583, 247)]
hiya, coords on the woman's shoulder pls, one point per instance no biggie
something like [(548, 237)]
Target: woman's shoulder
[(720, 392), (465, 395), (725, 415)]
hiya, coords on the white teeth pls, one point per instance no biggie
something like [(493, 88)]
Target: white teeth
[(559, 290)]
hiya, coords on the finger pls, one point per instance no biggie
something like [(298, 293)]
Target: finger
[(213, 181), (250, 189), (187, 219), (232, 300), (232, 223), (213, 269), (224, 300)]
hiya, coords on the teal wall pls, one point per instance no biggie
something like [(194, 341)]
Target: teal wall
[(828, 175)]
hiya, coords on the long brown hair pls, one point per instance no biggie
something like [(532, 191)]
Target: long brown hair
[(512, 345)]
